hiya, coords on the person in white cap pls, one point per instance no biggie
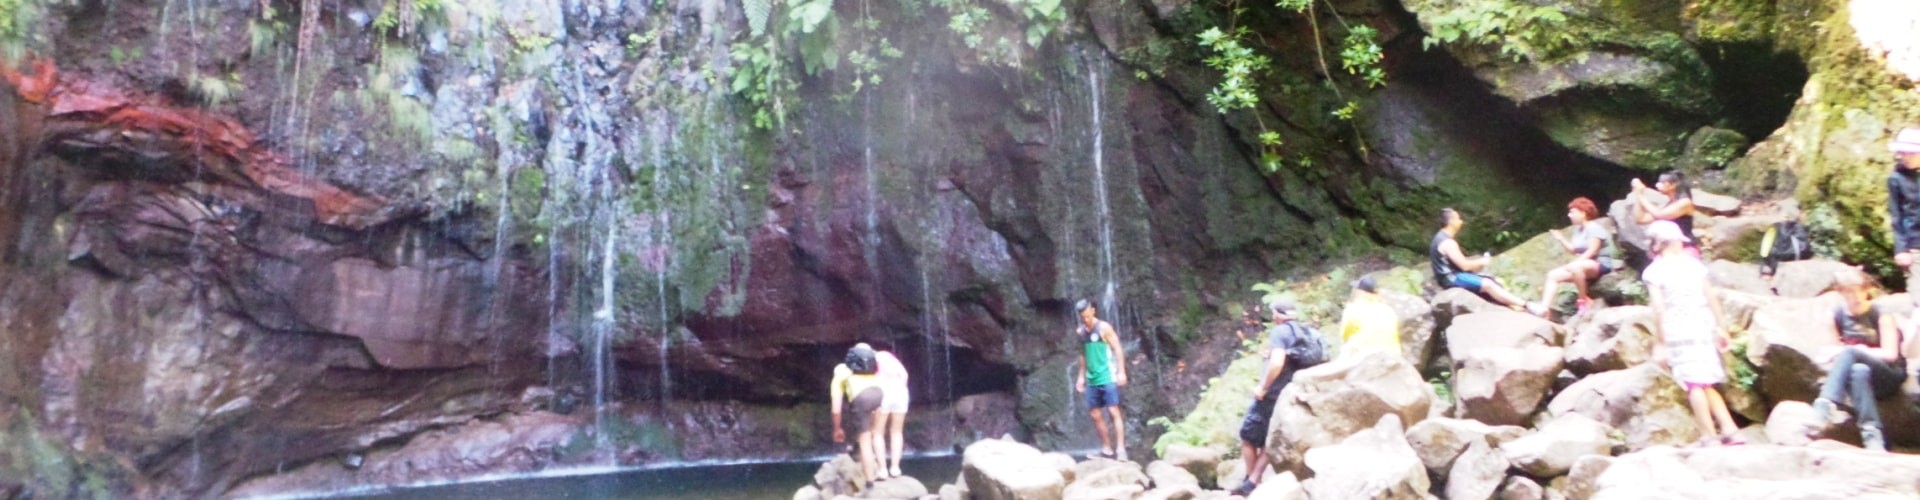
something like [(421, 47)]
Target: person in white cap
[(1687, 335), (1903, 200)]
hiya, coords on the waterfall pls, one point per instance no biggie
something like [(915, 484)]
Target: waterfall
[(1107, 293)]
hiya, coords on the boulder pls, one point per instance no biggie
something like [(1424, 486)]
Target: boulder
[(1553, 449), (1477, 474), (1521, 488), (902, 487), (1784, 340), (1454, 302), (1064, 463), (1806, 278), (1416, 326), (1735, 238), (1738, 276), (1715, 204), (953, 492), (1281, 487), (1580, 479), (1620, 287), (1499, 328), (808, 492), (1438, 441), (1188, 492), (1376, 463), (998, 469), (1199, 461), (839, 476), (1502, 385), (1229, 473), (1608, 339), (1103, 478), (1759, 472), (1166, 474), (1641, 402), (1325, 404)]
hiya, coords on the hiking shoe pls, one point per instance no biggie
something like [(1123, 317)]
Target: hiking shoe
[(1822, 410), (1245, 488), (1120, 454), (1871, 439)]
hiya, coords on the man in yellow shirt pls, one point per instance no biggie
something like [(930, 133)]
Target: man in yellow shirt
[(1368, 325)]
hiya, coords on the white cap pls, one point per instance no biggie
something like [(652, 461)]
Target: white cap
[(1907, 141)]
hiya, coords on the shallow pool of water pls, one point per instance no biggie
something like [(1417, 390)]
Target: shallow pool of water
[(750, 481)]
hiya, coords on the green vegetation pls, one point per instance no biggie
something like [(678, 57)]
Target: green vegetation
[(1215, 420), (215, 89), (1521, 31), (1231, 51)]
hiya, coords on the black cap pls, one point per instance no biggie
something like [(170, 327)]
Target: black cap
[(1366, 284)]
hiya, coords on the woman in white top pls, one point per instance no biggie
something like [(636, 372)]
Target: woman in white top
[(1687, 335), (893, 409)]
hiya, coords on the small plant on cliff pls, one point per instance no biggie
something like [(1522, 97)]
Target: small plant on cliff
[(1519, 30), (1232, 51)]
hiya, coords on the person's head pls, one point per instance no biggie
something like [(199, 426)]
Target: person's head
[(1282, 309), (1085, 309), (1581, 210), (1450, 220), (1851, 283), (1673, 183), (1664, 235), (1366, 285), (1906, 148)]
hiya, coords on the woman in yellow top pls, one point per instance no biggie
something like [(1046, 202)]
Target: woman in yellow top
[(857, 382), (1368, 324)]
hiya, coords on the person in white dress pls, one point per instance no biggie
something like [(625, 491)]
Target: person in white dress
[(1687, 334)]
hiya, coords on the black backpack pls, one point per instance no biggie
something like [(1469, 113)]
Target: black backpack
[(862, 361), (1309, 347), (1784, 241)]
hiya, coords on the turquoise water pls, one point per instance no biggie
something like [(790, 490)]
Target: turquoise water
[(753, 481)]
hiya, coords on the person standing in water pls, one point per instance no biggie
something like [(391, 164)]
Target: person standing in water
[(1103, 371), (893, 410)]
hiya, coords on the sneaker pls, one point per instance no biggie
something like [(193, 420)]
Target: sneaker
[(1120, 455), (1581, 307), (1537, 309), (894, 472), (1245, 488), (1822, 410), (1871, 439)]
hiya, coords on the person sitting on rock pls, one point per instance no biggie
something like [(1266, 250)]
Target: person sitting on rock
[(1368, 324), (1868, 367), (1687, 334), (1591, 257), (1903, 202), (893, 410), (1453, 269), (1284, 335), (857, 382), (1678, 209)]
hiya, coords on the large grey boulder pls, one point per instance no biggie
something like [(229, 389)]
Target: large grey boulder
[(1199, 461), (1585, 472), (1165, 474), (1786, 342), (1504, 385), (1438, 441), (1102, 478), (1325, 404), (1806, 278), (1608, 339), (1759, 472), (1521, 488), (1738, 276), (1416, 326), (1642, 402), (1477, 474), (1376, 463), (1552, 450), (1499, 328), (1715, 204), (997, 469), (1454, 302), (902, 487), (1282, 487), (839, 476)]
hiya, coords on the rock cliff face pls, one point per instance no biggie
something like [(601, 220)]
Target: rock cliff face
[(248, 238)]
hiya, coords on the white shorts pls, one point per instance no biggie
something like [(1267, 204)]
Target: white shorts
[(893, 398)]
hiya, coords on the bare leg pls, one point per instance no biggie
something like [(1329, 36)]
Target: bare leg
[(896, 425), (1702, 416), (868, 462), (1719, 406), (1584, 271), (1100, 426), (1251, 455), (1552, 285), (1119, 432), (1501, 295)]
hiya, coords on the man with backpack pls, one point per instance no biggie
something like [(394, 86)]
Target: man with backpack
[(1291, 346), (857, 382), (1903, 200)]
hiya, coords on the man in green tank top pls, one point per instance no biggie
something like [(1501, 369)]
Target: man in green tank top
[(1103, 370)]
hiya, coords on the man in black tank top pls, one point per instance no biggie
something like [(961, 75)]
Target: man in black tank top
[(1453, 269)]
